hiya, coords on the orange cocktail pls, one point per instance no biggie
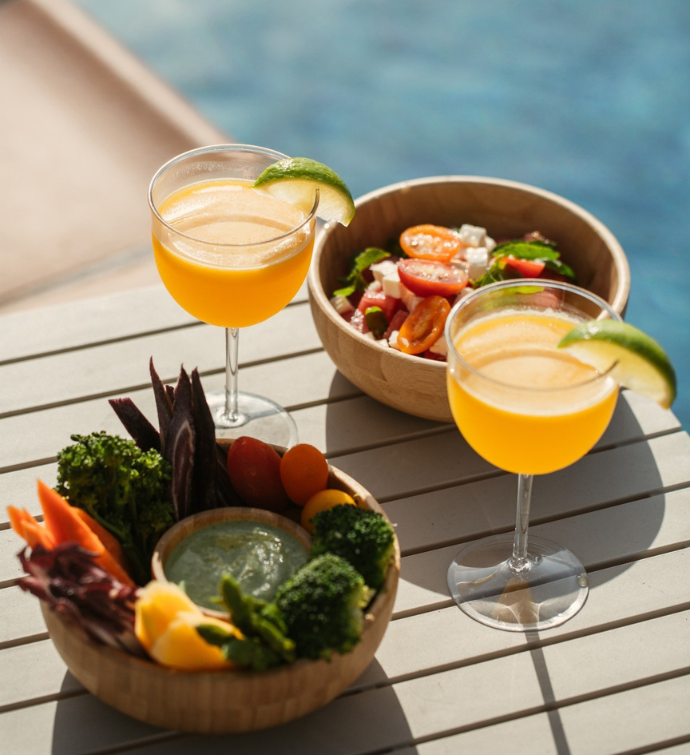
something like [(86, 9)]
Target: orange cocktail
[(231, 255), (529, 407), (235, 259)]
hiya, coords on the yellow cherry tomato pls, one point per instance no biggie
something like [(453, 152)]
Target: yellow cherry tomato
[(325, 499)]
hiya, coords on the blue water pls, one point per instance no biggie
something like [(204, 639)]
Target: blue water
[(587, 98)]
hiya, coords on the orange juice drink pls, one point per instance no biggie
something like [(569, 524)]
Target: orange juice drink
[(525, 406), (234, 259)]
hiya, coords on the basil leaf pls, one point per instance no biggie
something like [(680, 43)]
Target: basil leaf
[(369, 256), (348, 291)]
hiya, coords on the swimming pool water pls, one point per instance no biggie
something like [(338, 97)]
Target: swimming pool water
[(586, 99)]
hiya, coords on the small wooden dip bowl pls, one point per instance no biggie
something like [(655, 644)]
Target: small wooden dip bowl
[(178, 532), (507, 210), (225, 701)]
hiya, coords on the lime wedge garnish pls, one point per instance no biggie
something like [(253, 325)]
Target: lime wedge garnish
[(295, 179), (639, 363)]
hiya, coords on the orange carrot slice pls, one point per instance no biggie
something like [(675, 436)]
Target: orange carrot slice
[(66, 526), (111, 543), (35, 535), (28, 528)]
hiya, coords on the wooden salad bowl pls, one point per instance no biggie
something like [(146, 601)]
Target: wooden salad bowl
[(507, 210), (225, 701)]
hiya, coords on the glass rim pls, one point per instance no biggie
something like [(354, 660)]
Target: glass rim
[(215, 148), (517, 283)]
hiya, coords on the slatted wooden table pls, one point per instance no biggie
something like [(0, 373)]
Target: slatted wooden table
[(615, 679)]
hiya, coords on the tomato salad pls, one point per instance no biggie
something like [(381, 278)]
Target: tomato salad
[(400, 297)]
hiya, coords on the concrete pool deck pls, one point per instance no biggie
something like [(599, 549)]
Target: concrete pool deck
[(85, 125)]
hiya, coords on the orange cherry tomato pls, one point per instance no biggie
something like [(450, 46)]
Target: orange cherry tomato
[(424, 325), (303, 472), (431, 242)]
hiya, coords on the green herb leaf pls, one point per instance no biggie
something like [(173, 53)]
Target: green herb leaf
[(360, 262), (376, 321)]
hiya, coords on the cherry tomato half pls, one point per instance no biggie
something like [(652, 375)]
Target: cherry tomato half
[(424, 325), (431, 242), (427, 278), (525, 268)]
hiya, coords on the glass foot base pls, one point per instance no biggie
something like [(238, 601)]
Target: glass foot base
[(258, 418), (551, 590)]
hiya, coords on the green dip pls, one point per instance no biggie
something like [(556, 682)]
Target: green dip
[(258, 555)]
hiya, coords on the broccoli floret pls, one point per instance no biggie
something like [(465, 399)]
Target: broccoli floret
[(322, 605), (361, 536), (123, 488)]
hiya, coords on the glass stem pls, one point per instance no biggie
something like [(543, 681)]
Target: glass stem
[(519, 562), (232, 336)]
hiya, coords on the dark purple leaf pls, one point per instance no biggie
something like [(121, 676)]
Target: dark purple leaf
[(204, 479), (180, 445), (164, 405), (140, 429), (68, 579)]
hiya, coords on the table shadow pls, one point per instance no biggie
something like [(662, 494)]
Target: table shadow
[(84, 724)]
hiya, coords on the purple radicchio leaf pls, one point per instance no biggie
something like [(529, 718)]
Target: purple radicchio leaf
[(179, 445), (164, 404), (204, 480), (140, 429), (70, 582)]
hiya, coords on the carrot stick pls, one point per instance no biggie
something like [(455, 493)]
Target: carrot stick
[(35, 535), (66, 526), (111, 543), (27, 527)]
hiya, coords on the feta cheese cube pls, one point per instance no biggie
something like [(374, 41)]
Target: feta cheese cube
[(393, 340), (391, 283), (478, 259), (383, 268), (440, 347), (489, 243), (472, 235), (409, 299), (374, 286), (341, 304)]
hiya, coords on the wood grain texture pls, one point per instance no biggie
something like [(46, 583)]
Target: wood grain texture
[(507, 210)]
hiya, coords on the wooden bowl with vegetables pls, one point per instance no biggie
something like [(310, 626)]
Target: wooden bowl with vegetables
[(499, 211), (145, 647)]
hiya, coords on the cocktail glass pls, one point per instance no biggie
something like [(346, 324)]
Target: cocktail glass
[(231, 256), (531, 409)]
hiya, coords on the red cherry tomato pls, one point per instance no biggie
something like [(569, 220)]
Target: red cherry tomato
[(431, 242), (427, 278), (424, 325), (254, 469), (525, 268)]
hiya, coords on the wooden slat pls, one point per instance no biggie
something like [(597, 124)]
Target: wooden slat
[(64, 326), (419, 708), (112, 317), (618, 595), (109, 368), (479, 508), (663, 525), (457, 514), (638, 720)]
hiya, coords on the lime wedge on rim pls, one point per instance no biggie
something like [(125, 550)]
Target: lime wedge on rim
[(639, 363), (295, 179)]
